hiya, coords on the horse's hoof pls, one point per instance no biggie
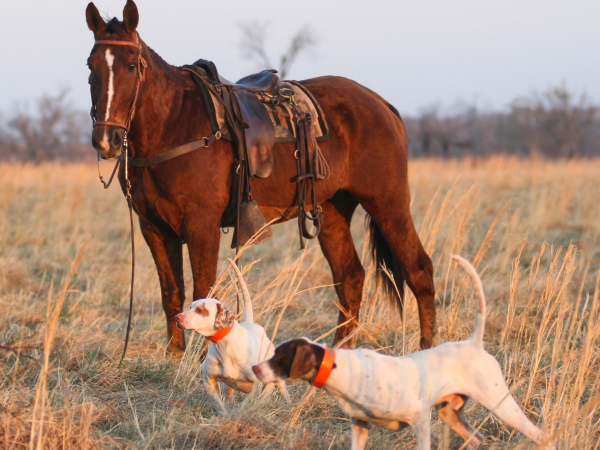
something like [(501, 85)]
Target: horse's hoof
[(176, 351), (430, 341)]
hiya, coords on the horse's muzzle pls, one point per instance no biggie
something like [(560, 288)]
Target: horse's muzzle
[(108, 141)]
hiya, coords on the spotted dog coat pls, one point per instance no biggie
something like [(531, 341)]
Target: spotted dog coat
[(231, 358), (393, 392)]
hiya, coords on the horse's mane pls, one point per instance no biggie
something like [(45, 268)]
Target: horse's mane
[(115, 26)]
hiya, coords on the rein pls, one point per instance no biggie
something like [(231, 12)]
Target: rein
[(140, 162), (141, 65)]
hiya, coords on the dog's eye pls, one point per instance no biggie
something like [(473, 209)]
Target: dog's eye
[(132, 67)]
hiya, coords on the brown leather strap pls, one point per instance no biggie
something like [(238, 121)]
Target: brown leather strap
[(113, 124), (141, 64), (127, 43), (177, 151), (305, 178)]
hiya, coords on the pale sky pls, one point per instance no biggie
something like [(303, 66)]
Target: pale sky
[(413, 53)]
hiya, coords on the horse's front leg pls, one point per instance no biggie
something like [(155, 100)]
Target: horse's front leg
[(203, 247), (166, 248)]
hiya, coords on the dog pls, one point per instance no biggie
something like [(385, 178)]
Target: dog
[(394, 392), (235, 347)]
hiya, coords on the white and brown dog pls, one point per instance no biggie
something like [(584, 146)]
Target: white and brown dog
[(235, 347), (393, 392)]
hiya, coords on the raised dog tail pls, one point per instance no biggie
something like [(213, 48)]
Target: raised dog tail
[(477, 335), (248, 312)]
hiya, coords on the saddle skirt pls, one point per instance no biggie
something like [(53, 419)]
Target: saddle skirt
[(265, 108)]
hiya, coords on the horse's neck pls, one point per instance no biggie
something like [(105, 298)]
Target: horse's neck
[(162, 105)]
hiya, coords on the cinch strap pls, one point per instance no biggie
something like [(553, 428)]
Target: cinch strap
[(220, 334), (325, 369)]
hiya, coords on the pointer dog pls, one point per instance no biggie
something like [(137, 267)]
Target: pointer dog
[(393, 392), (235, 346)]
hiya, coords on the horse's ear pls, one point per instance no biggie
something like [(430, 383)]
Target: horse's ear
[(131, 16), (94, 20)]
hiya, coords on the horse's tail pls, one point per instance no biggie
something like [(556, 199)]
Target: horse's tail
[(248, 313), (382, 255)]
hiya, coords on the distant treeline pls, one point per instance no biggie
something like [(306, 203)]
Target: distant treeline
[(556, 124)]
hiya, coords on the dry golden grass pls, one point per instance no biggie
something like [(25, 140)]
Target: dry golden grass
[(531, 226)]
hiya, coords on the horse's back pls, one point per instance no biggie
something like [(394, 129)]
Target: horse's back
[(368, 136), (346, 100)]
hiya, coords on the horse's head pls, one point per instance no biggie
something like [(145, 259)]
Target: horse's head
[(117, 70)]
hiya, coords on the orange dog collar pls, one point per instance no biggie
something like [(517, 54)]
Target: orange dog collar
[(325, 369), (220, 334)]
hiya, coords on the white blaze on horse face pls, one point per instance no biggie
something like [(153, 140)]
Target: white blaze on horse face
[(111, 92), (111, 76)]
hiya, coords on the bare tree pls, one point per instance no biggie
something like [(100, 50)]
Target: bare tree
[(54, 130), (556, 122), (253, 46)]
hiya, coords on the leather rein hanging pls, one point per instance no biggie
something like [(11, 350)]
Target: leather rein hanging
[(139, 162), (141, 66)]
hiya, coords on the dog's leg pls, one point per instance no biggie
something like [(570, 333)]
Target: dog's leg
[(360, 433), (451, 412), (501, 403), (230, 393), (266, 392), (509, 412), (211, 387), (283, 390), (422, 430)]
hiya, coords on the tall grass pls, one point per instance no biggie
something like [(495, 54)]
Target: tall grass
[(531, 226)]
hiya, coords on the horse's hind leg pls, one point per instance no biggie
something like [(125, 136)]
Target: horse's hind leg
[(394, 227), (348, 273)]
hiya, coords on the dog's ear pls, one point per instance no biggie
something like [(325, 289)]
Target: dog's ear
[(305, 360), (224, 317)]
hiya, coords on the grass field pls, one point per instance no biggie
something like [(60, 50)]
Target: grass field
[(531, 226)]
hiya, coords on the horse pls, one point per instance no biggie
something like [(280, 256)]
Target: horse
[(137, 96)]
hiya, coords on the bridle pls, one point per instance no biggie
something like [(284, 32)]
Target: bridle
[(141, 72), (141, 68), (140, 162)]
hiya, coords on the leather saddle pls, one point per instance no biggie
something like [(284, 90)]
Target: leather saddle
[(257, 130), (254, 110)]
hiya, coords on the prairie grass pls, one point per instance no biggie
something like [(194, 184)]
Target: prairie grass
[(531, 226)]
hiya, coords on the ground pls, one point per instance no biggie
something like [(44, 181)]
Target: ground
[(531, 226)]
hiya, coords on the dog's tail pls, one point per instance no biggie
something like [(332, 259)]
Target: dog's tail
[(477, 335), (248, 313)]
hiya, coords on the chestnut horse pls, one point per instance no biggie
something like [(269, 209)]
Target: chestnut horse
[(182, 200)]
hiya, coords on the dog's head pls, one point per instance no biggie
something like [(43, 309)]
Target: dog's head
[(295, 359), (205, 316)]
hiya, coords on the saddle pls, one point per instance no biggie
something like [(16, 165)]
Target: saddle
[(256, 112)]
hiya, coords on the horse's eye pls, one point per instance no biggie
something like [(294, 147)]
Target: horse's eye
[(132, 67)]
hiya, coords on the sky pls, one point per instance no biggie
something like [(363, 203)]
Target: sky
[(413, 53)]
